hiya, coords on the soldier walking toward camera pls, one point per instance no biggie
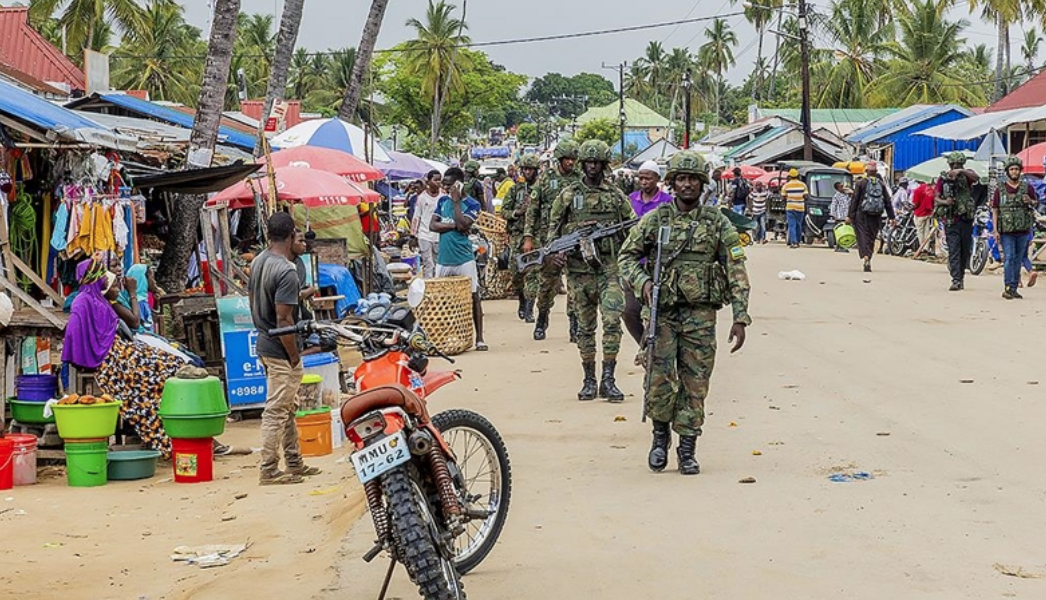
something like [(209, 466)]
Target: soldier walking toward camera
[(955, 208), (551, 183), (1013, 212), (703, 269), (594, 288), (514, 209)]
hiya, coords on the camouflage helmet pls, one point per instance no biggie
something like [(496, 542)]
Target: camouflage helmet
[(690, 162), (471, 166), (566, 149), (530, 161), (594, 150), (1013, 161), (956, 158)]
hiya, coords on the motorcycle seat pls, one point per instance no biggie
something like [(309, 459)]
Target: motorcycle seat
[(383, 397)]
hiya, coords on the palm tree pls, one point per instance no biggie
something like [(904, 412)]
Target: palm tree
[(927, 61), (334, 78), (362, 59), (717, 54), (174, 264), (158, 56), (760, 15), (86, 21), (1030, 48), (858, 39), (1005, 13), (637, 81), (434, 57), (256, 43), (290, 23), (653, 64)]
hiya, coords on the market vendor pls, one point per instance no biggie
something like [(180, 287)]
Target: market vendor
[(132, 372)]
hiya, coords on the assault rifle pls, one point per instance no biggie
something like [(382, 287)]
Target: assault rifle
[(664, 234), (584, 238)]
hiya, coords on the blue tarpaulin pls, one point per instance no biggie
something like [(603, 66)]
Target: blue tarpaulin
[(340, 279), (40, 114)]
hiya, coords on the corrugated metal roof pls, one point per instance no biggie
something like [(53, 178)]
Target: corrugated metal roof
[(758, 141), (27, 51), (151, 110), (977, 126), (831, 115), (1030, 94), (901, 120), (29, 82), (39, 114), (637, 114)]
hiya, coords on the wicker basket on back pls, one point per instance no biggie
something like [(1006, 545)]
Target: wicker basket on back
[(446, 314), (497, 284)]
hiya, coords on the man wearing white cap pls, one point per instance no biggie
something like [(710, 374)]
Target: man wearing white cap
[(648, 197)]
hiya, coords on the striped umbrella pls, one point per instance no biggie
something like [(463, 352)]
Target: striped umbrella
[(331, 133)]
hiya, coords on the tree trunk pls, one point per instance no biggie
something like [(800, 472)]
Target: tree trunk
[(185, 219), (1000, 57), (364, 55), (290, 23), (777, 57), (759, 65), (1006, 84)]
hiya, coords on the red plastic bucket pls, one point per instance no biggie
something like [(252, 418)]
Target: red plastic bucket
[(7, 450), (193, 460), (23, 461)]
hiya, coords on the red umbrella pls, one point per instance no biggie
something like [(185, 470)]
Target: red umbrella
[(311, 187), (1033, 157), (747, 171), (773, 178), (325, 159)]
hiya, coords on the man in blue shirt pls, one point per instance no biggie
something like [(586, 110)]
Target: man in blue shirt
[(453, 219)]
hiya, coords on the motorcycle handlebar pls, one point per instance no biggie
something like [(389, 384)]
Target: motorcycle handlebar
[(299, 328)]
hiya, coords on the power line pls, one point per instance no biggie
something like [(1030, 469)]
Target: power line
[(528, 40), (676, 28)]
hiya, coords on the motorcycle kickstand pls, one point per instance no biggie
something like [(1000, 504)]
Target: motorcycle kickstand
[(388, 579)]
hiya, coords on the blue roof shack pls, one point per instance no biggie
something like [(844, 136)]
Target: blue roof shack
[(893, 140)]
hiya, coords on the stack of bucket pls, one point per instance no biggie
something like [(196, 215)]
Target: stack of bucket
[(32, 392), (322, 372), (17, 460), (86, 430), (193, 412)]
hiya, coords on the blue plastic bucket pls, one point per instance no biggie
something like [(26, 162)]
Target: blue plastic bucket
[(36, 388)]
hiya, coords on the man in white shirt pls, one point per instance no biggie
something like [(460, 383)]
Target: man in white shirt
[(428, 241), (902, 198)]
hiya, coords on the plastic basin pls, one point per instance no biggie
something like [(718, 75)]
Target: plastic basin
[(76, 421), (38, 388), (129, 465), (192, 397), (28, 412), (191, 427)]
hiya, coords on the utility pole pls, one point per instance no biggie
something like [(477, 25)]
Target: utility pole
[(804, 46), (687, 84), (622, 117)]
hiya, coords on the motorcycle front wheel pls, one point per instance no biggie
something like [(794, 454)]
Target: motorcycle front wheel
[(897, 245), (416, 534), (979, 256), (482, 457)]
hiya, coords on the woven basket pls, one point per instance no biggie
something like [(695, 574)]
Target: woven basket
[(491, 224), (446, 314)]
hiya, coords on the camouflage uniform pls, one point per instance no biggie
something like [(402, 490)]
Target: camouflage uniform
[(472, 185), (549, 185), (514, 210), (955, 208), (703, 268), (594, 291)]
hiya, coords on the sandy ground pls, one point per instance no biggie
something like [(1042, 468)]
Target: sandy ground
[(936, 394), (844, 371)]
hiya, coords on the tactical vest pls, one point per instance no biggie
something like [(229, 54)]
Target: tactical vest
[(1014, 215), (959, 190), (588, 204), (692, 273), (549, 188), (520, 196)]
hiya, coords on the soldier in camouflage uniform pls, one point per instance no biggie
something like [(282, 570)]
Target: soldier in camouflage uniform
[(1013, 211), (955, 208), (473, 185), (703, 269), (595, 290), (548, 187), (514, 209)]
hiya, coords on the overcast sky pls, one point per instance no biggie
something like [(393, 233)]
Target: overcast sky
[(339, 23)]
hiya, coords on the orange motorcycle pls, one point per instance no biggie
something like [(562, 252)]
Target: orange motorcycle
[(438, 487)]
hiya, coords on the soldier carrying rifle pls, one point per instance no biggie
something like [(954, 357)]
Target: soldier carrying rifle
[(702, 268)]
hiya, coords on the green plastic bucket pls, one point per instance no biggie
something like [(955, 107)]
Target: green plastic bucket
[(85, 463), (129, 465), (78, 422), (194, 427), (845, 236), (28, 413)]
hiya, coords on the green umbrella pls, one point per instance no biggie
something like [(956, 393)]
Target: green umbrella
[(932, 169)]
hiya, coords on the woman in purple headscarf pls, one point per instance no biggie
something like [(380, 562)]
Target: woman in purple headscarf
[(131, 372)]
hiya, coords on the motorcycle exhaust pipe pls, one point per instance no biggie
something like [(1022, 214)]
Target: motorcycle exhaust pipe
[(420, 442)]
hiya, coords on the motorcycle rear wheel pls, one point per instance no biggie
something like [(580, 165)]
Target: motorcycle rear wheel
[(979, 256), (897, 242), (483, 460), (415, 532)]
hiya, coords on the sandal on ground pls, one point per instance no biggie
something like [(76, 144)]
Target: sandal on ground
[(282, 479), (482, 347)]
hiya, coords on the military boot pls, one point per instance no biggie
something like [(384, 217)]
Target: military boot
[(607, 386), (685, 453), (528, 311), (541, 325), (588, 387), (573, 329), (657, 460), (521, 312)]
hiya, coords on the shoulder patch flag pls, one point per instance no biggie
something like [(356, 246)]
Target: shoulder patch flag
[(737, 253)]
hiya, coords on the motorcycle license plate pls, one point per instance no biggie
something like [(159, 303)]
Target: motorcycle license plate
[(381, 457), (817, 212)]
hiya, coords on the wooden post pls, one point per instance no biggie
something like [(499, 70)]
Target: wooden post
[(212, 252)]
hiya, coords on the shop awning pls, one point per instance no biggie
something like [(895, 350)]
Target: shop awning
[(981, 125), (197, 181), (39, 118)]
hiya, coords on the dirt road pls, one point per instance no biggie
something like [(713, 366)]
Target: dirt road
[(936, 394)]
